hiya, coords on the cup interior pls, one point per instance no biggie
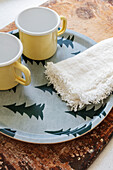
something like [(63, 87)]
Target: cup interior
[(10, 49), (38, 20)]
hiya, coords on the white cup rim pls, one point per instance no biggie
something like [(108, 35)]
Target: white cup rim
[(20, 51), (37, 33)]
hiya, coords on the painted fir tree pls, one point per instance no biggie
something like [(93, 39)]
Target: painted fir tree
[(66, 41), (47, 88), (73, 132), (89, 113), (33, 110)]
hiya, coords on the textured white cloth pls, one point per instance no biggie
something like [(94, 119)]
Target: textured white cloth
[(85, 78)]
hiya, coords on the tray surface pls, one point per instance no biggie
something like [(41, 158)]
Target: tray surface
[(36, 113)]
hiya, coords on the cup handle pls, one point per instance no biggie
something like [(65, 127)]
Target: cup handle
[(26, 72), (64, 25)]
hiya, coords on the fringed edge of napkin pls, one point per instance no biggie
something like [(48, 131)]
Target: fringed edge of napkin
[(55, 77)]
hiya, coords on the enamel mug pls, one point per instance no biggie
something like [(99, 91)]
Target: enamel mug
[(38, 31), (10, 62)]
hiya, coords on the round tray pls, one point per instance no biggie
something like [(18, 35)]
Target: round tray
[(36, 113)]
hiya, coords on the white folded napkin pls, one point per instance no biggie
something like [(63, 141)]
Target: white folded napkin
[(85, 78)]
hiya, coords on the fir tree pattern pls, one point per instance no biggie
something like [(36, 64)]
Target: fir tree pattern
[(33, 110), (45, 88), (89, 113), (73, 132), (31, 61), (15, 32), (8, 132), (75, 53), (67, 42), (14, 89)]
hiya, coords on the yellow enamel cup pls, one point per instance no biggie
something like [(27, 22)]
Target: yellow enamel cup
[(38, 31), (10, 62)]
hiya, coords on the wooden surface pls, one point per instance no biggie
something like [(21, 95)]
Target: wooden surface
[(86, 17)]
